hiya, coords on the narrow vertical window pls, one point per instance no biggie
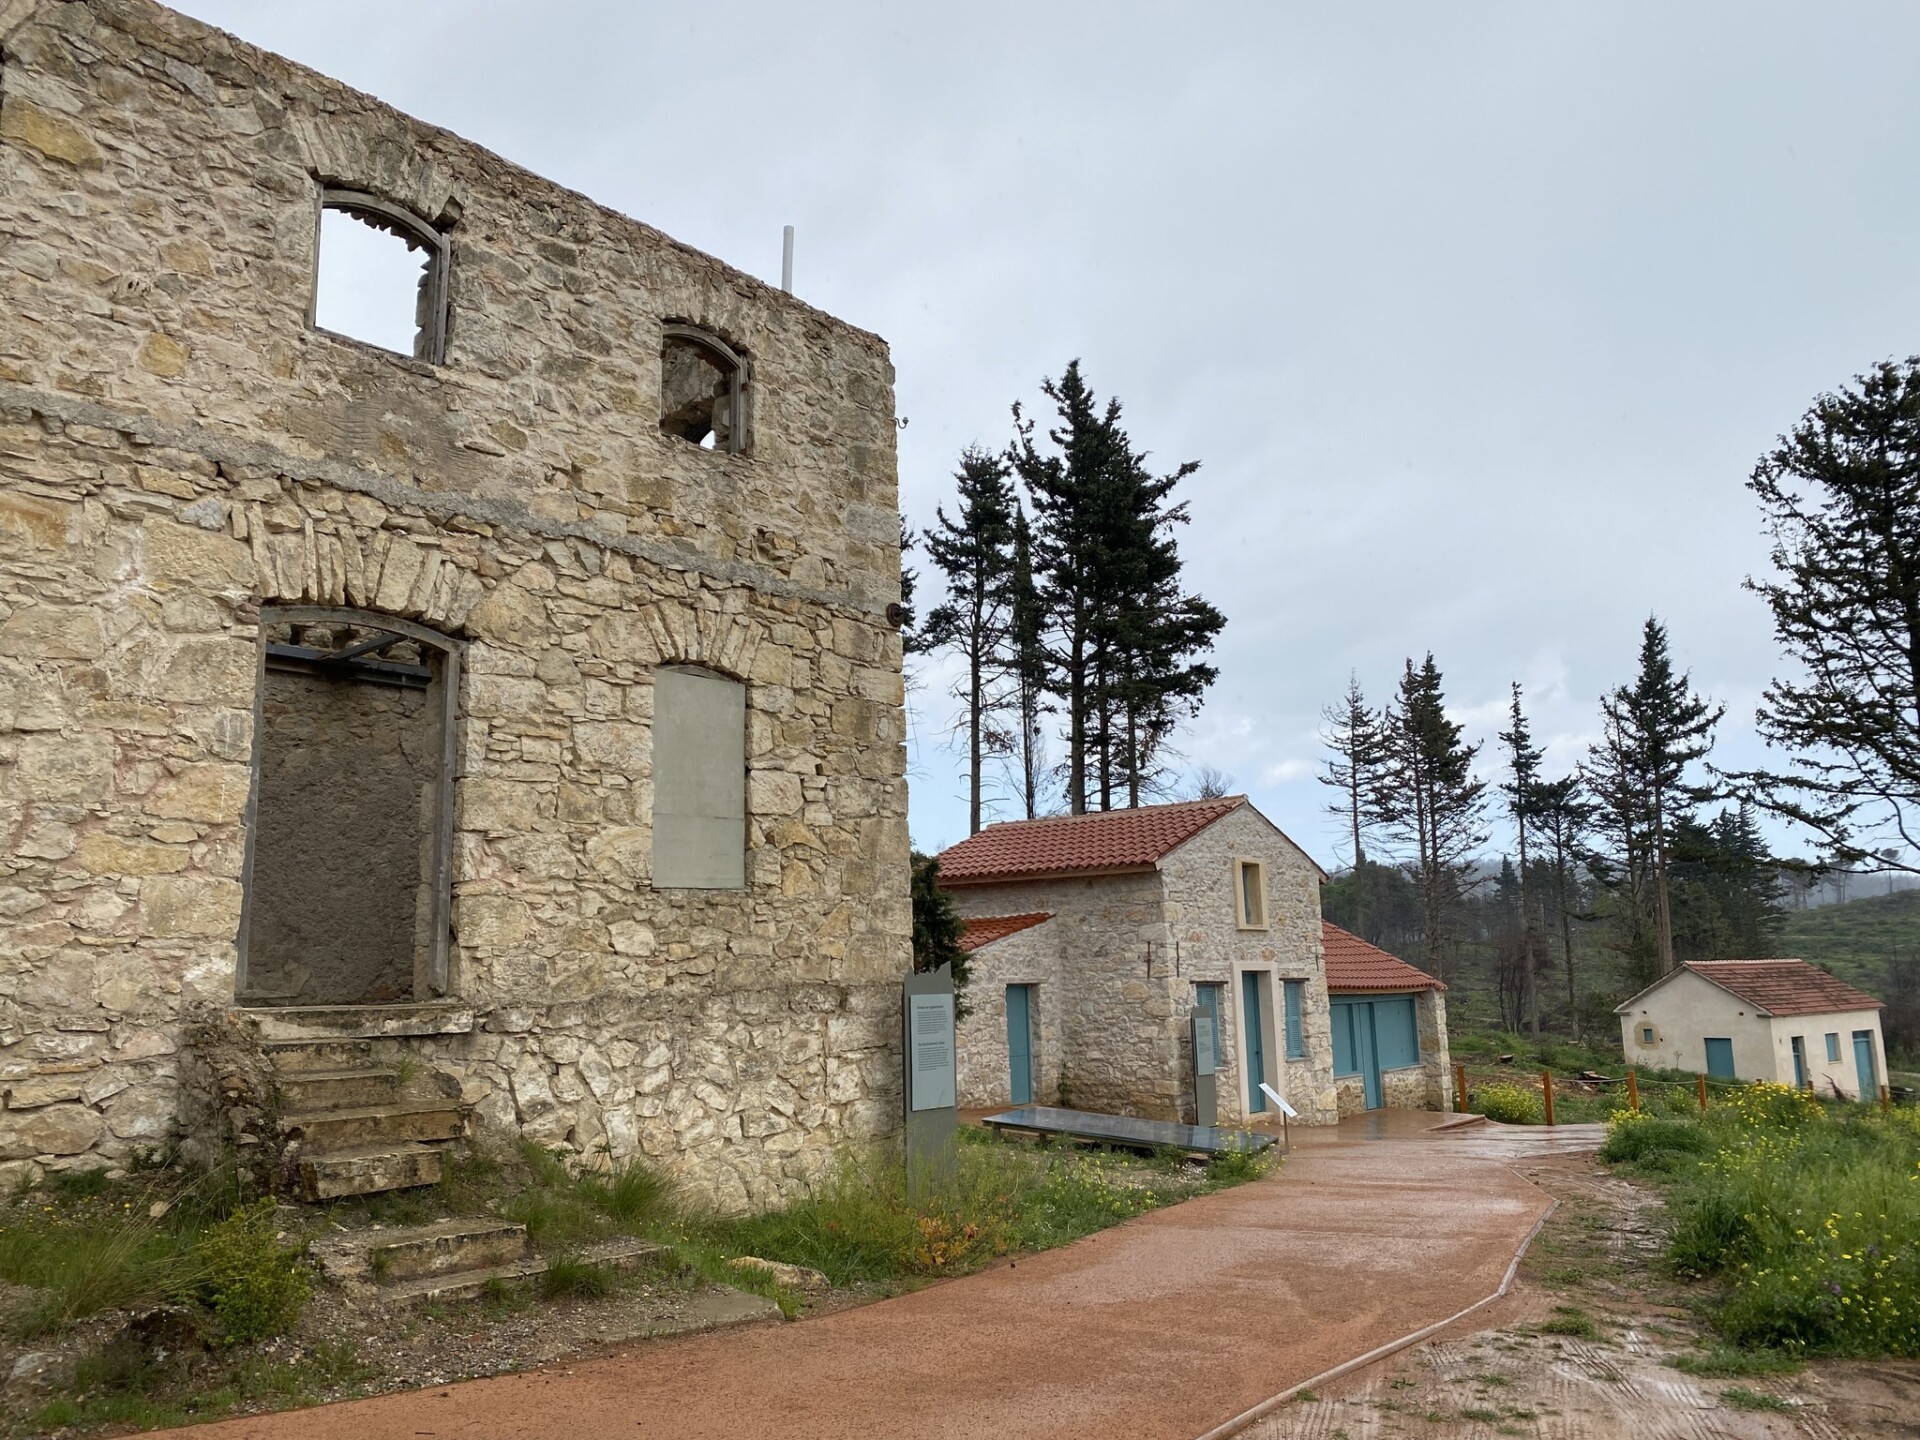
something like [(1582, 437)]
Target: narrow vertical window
[(1833, 1047), (1295, 992), (699, 781), (1250, 894)]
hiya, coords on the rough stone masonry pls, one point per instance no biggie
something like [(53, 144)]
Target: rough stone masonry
[(182, 448)]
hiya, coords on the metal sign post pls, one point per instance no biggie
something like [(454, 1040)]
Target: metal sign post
[(932, 1116), (1287, 1112)]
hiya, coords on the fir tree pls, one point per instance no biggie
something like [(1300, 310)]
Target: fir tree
[(1664, 729), (1841, 496), (1561, 814), (1521, 789), (937, 928), (1352, 730), (974, 551), (1430, 798), (1027, 664)]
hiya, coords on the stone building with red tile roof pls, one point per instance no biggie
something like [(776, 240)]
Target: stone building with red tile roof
[(1098, 941), (1780, 1020)]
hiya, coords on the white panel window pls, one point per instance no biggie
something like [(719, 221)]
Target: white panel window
[(699, 781)]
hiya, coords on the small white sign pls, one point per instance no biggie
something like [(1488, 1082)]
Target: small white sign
[(1280, 1100)]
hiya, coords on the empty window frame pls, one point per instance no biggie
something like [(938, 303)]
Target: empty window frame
[(699, 781), (703, 389), (1250, 894), (380, 275)]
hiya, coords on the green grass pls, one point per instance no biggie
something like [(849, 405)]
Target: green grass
[(1569, 1320), (569, 1277), (1723, 1362), (1742, 1398), (1803, 1219)]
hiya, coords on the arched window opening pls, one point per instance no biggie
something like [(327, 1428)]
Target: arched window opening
[(380, 275), (350, 822), (703, 390)]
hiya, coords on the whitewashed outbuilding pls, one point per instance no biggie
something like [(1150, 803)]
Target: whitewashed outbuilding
[(1779, 1020)]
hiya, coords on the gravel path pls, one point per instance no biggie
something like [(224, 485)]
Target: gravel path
[(1164, 1327)]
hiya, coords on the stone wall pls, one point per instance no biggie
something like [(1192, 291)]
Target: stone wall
[(1027, 957), (178, 445), (1106, 1027), (1203, 916)]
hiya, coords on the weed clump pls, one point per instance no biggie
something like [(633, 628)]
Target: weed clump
[(1510, 1105), (254, 1285)]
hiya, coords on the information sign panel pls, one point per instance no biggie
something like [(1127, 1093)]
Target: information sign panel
[(1205, 1062), (930, 1050)]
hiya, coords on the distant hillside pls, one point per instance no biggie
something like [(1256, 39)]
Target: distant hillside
[(1855, 940)]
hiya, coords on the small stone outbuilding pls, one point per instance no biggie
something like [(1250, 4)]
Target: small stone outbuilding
[(1780, 1020), (1094, 938), (521, 704), (1389, 1024)]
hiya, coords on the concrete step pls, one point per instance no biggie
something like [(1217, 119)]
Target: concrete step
[(304, 1091), (299, 1057), (330, 1130), (622, 1255), (418, 1251), (368, 1170)]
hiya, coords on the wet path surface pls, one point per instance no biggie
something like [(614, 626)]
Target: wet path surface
[(1164, 1327)]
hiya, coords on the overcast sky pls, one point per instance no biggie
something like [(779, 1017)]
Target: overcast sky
[(1476, 315)]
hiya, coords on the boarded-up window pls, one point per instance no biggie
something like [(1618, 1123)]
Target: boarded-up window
[(699, 781)]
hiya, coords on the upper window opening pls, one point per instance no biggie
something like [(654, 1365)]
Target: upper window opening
[(703, 390), (381, 275), (1250, 893)]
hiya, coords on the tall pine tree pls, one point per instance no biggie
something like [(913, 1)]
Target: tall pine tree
[(1027, 664), (1521, 788), (1352, 731), (1121, 638), (1561, 815), (974, 551), (1431, 799), (1663, 730)]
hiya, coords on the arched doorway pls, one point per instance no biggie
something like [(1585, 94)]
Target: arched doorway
[(350, 820)]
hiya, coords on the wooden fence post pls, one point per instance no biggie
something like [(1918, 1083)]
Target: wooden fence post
[(1633, 1090), (1886, 1099), (1460, 1089), (1701, 1086), (1546, 1086)]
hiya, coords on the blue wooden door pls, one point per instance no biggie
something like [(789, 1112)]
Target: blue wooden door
[(1366, 1050), (1719, 1058), (1863, 1065), (1020, 1043), (1799, 1044), (1256, 1045)]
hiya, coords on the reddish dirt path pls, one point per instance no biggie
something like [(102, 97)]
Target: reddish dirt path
[(1164, 1327)]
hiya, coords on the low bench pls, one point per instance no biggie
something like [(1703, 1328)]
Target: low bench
[(1126, 1130)]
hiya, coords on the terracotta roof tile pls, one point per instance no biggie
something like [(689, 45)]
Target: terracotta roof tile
[(1353, 964), (1784, 987), (1071, 844), (985, 929)]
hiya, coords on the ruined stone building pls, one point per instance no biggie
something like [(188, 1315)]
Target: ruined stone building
[(518, 708), (1094, 942)]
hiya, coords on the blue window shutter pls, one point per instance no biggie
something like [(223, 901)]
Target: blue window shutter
[(1296, 1029), (1833, 1046), (1344, 1062), (1396, 1031)]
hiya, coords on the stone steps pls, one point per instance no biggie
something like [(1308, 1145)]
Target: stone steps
[(621, 1255), (305, 1090), (368, 1170), (396, 1123), (421, 1251)]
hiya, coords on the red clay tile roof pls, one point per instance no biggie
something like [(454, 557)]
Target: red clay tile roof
[(1784, 987), (1353, 964), (985, 929), (1071, 844)]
